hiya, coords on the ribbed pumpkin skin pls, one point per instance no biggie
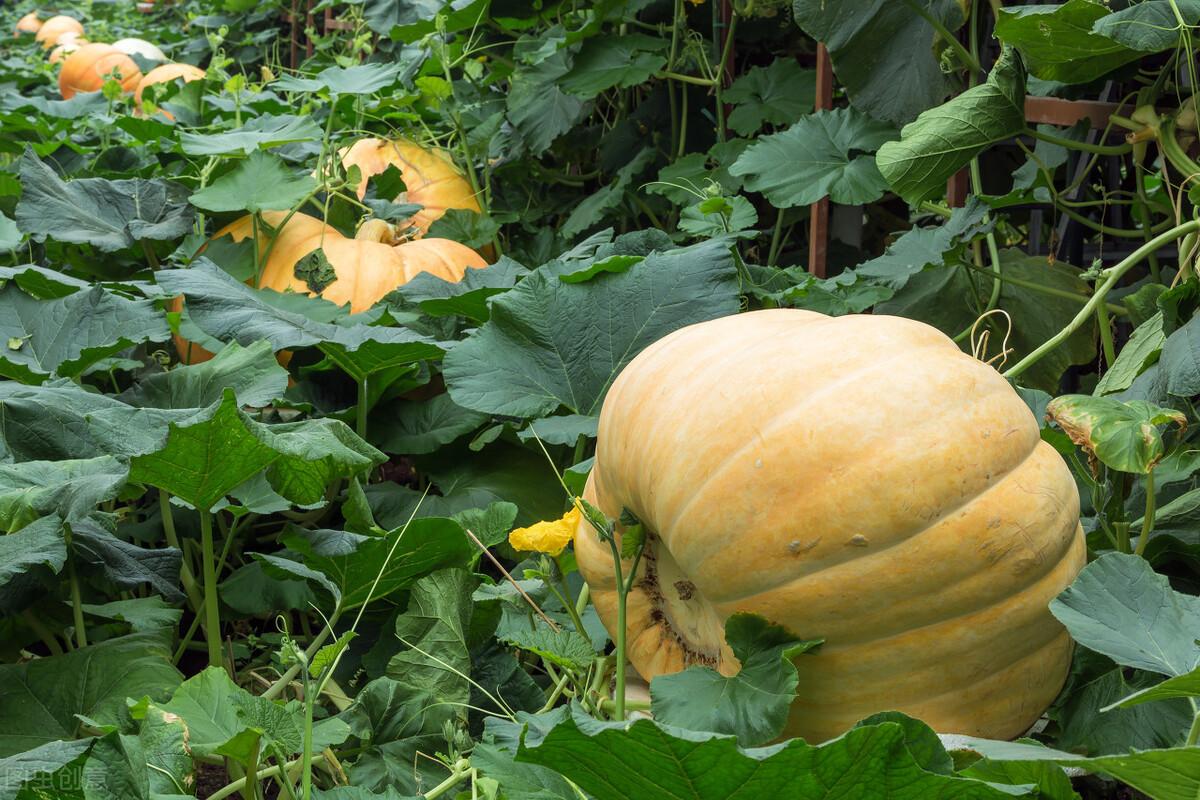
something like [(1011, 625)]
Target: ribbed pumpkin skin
[(84, 70), (55, 27), (858, 479), (30, 23), (366, 270), (165, 74), (430, 177), (67, 44)]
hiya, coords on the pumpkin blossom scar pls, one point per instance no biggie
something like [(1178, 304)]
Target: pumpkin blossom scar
[(550, 537)]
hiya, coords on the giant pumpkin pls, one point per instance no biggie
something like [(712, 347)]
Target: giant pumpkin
[(50, 30), (858, 479), (367, 267), (165, 73), (431, 179), (85, 69)]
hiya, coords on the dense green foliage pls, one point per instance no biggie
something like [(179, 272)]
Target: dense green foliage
[(290, 576)]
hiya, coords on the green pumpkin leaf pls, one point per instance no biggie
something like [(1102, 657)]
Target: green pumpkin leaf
[(1119, 607), (779, 94), (37, 772), (943, 139), (884, 53), (1121, 435), (468, 297), (260, 133), (39, 699), (251, 373), (262, 182), (1057, 42), (566, 648), (550, 343), (827, 153), (108, 215), (70, 489), (619, 760), (422, 426), (605, 62), (752, 705)]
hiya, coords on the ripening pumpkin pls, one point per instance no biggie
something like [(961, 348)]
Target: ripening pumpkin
[(367, 266), (856, 478), (140, 47), (55, 27), (67, 43), (165, 73), (431, 179), (85, 70), (30, 23)]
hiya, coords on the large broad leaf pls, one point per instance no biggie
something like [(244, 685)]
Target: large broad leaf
[(357, 79), (605, 62), (550, 343), (229, 310), (538, 108), (66, 335), (1181, 358), (109, 215), (1124, 436), (883, 51), (779, 94), (1089, 724), (940, 141), (124, 564), (35, 773), (468, 297), (365, 568), (27, 557), (435, 657), (39, 700), (259, 133), (260, 183), (1169, 774), (1119, 607), (752, 705), (206, 456), (1149, 26), (1143, 349), (422, 426), (70, 489), (251, 373), (824, 154), (926, 247), (1057, 43), (616, 761), (409, 20)]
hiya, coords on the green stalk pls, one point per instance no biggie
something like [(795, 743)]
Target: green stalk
[(187, 638), (270, 772), (776, 239), (212, 613), (580, 449), (76, 598), (677, 20), (1111, 276), (185, 570), (1143, 207), (461, 769), (1148, 521), (619, 692), (42, 632), (279, 685), (360, 426), (1087, 147), (719, 83), (1049, 291), (250, 790), (306, 755), (1108, 230), (1106, 336), (1194, 732), (968, 59)]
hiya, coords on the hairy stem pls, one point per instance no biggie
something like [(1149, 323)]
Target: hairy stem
[(212, 612)]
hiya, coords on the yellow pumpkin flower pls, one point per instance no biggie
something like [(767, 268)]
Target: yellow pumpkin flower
[(550, 537)]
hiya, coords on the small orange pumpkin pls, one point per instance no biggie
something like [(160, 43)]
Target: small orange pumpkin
[(85, 70), (67, 43), (30, 23), (165, 74), (367, 266), (430, 177), (50, 30)]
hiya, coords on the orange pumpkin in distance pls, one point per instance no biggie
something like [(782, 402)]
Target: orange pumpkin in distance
[(30, 23), (67, 44), (85, 70), (431, 179), (858, 479), (50, 31), (165, 73), (367, 267)]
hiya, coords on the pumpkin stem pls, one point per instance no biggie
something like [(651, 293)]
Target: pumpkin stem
[(376, 230)]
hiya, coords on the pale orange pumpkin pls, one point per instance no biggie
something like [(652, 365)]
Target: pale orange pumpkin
[(67, 44), (50, 30), (858, 479), (85, 70), (30, 23), (367, 267), (165, 73), (431, 179), (140, 47)]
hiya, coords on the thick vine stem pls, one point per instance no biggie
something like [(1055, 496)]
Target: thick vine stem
[(212, 613), (1111, 276), (1087, 147)]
